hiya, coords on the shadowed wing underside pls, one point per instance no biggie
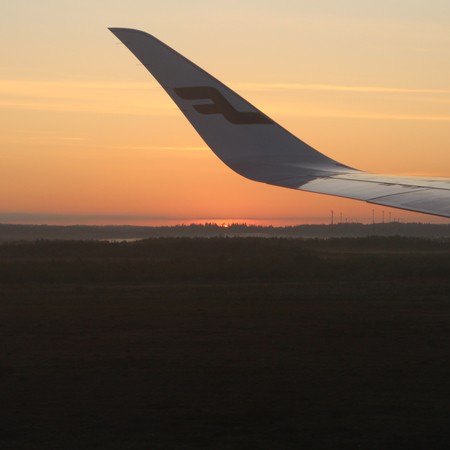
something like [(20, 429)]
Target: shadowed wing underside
[(256, 147)]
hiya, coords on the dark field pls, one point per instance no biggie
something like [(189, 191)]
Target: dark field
[(225, 344)]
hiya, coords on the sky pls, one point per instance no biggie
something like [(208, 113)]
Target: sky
[(88, 136)]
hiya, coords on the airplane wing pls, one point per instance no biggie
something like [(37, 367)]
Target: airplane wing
[(256, 147)]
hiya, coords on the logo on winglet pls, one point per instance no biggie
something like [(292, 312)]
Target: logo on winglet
[(220, 105)]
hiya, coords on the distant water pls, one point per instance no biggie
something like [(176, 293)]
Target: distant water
[(120, 239)]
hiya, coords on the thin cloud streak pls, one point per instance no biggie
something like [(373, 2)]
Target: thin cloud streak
[(336, 88), (83, 107), (141, 219), (27, 88), (149, 147), (364, 116), (26, 216), (96, 98), (80, 108), (122, 98)]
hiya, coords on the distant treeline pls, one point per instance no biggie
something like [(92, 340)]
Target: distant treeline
[(225, 259), (11, 232)]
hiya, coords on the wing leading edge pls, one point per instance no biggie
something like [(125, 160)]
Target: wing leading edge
[(256, 147)]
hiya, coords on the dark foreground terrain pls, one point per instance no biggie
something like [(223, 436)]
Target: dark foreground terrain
[(225, 344)]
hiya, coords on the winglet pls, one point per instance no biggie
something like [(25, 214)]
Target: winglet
[(243, 137), (254, 146)]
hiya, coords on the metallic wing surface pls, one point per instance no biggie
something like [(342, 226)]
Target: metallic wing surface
[(256, 147)]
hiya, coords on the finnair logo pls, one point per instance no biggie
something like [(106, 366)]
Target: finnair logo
[(219, 105)]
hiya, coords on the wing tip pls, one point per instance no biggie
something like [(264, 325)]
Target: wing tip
[(120, 30)]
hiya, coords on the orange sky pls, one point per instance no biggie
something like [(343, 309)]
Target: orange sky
[(87, 136)]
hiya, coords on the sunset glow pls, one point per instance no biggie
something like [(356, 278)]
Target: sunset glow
[(88, 136)]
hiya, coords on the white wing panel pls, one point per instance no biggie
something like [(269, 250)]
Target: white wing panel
[(427, 182), (356, 189), (428, 195), (430, 201)]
